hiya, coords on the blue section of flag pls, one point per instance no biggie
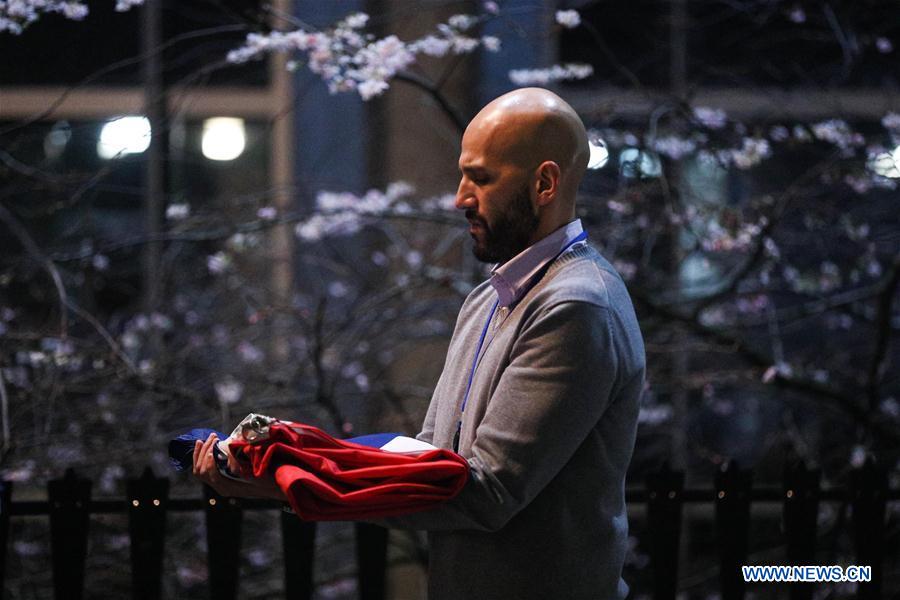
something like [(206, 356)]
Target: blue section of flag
[(374, 440), (181, 449)]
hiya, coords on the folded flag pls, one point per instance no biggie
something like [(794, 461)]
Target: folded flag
[(327, 479)]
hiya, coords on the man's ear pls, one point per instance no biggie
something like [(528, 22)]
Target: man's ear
[(548, 175)]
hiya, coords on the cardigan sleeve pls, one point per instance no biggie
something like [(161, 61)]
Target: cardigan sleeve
[(427, 433), (561, 376)]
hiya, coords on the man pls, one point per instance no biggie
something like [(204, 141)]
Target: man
[(541, 383)]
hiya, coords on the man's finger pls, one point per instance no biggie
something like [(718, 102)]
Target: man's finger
[(208, 444), (233, 464), (197, 445), (205, 450)]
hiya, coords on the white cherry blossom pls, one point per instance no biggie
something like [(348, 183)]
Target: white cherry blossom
[(751, 153), (344, 213), (267, 213), (711, 118), (565, 72), (350, 60), (568, 18), (218, 263), (674, 147), (891, 122), (490, 43), (462, 22), (837, 132), (126, 5), (16, 15), (177, 212), (100, 262), (229, 390)]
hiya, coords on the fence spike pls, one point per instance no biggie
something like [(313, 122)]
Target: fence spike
[(665, 500), (299, 542), (5, 509), (732, 525), (869, 496), (69, 499), (148, 498), (801, 516), (371, 558), (223, 543)]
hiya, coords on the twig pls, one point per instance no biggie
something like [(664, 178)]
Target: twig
[(819, 305), (19, 231), (42, 116), (435, 93), (117, 350), (841, 37), (225, 232), (4, 413), (323, 397), (883, 332)]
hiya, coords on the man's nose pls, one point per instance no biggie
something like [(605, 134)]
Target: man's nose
[(464, 197)]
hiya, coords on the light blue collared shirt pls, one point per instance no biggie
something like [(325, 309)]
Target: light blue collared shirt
[(511, 279)]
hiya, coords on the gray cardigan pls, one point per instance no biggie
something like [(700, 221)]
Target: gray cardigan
[(548, 430)]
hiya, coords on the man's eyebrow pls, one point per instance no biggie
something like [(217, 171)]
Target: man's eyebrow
[(472, 169)]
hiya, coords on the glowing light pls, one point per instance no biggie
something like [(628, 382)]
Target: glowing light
[(223, 138), (125, 135), (599, 154), (637, 163), (886, 164)]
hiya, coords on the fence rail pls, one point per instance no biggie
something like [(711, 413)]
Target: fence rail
[(69, 506)]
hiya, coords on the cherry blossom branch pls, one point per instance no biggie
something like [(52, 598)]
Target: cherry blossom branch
[(348, 59), (821, 305), (224, 233), (759, 250), (16, 15), (845, 399)]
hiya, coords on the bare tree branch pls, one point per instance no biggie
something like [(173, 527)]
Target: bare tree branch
[(19, 231), (883, 330), (433, 91)]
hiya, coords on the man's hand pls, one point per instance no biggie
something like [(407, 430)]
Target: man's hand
[(207, 472)]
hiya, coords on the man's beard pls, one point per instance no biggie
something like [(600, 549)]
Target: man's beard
[(510, 233)]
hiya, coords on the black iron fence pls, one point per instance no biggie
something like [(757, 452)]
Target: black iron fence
[(69, 506)]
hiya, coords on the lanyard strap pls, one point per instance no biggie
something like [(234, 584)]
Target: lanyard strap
[(534, 280)]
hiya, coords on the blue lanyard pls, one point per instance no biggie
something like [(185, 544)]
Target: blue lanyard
[(534, 280)]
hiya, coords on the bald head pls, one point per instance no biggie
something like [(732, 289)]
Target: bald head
[(529, 126), (522, 159)]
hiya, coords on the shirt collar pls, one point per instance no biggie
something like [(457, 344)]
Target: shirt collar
[(510, 279)]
